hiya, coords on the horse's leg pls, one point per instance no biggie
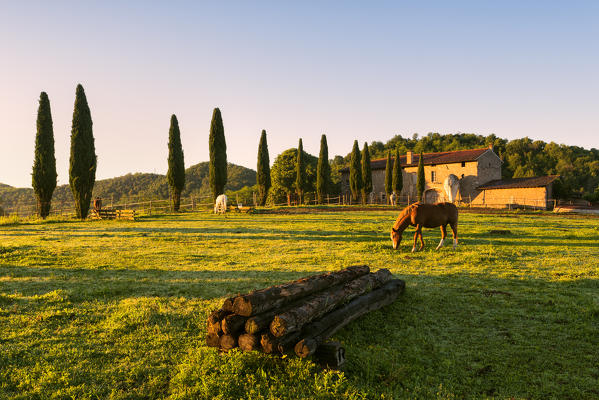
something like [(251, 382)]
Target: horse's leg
[(418, 231), (443, 236), (454, 230), (421, 240)]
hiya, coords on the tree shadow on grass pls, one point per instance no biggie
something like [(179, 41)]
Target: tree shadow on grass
[(479, 336), (115, 284)]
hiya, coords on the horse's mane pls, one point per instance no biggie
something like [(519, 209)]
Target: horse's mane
[(404, 213)]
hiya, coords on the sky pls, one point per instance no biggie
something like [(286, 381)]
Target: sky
[(350, 70)]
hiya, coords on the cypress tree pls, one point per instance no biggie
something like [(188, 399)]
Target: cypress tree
[(176, 165), (388, 176), (300, 172), (263, 170), (82, 170), (44, 175), (366, 173), (323, 170), (397, 181), (420, 183), (355, 172), (218, 155)]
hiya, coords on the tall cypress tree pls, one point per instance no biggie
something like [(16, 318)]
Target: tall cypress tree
[(263, 170), (355, 172), (82, 170), (366, 173), (218, 155), (300, 172), (388, 176), (420, 183), (176, 165), (44, 175), (397, 181), (323, 170)]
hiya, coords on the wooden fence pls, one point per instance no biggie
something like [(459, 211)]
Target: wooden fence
[(197, 203)]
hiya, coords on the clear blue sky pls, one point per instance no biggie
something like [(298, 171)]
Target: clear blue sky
[(352, 70)]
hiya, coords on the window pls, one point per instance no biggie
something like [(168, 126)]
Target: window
[(463, 164), (433, 176)]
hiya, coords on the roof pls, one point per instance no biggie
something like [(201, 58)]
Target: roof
[(537, 181), (444, 157)]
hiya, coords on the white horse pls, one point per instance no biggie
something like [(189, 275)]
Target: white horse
[(451, 186), (220, 205), (393, 198)]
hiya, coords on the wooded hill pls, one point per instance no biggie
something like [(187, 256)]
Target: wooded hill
[(138, 186)]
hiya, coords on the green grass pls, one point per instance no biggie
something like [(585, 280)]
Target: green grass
[(111, 309)]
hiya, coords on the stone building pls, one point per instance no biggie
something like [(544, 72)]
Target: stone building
[(474, 168), (534, 192)]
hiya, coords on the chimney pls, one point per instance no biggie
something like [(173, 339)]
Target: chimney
[(491, 147), (409, 158)]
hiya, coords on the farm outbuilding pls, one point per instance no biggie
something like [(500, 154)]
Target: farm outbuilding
[(535, 192)]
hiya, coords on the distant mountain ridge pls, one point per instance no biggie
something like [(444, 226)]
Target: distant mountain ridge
[(137, 186)]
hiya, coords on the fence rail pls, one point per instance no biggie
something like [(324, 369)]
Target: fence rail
[(193, 203)]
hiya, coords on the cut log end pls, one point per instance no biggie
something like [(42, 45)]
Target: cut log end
[(212, 340), (249, 342), (228, 305), (242, 306), (268, 343), (278, 326), (228, 342), (251, 326), (306, 347)]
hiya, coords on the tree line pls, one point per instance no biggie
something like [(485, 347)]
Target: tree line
[(297, 173)]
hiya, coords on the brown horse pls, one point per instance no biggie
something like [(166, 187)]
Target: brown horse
[(426, 216)]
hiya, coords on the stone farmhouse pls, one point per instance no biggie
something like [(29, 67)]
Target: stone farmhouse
[(479, 174)]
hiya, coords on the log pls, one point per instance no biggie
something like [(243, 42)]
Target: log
[(212, 340), (232, 324), (213, 323), (318, 331), (331, 355), (283, 345), (269, 343), (217, 315), (274, 297), (319, 304), (249, 342), (228, 304), (262, 321), (228, 342), (214, 329)]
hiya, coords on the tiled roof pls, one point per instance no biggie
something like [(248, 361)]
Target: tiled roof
[(537, 181), (444, 157)]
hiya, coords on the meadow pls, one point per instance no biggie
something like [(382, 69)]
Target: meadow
[(117, 309)]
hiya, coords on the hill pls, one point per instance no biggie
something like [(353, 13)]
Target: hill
[(138, 186)]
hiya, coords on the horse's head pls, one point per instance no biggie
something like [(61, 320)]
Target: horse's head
[(395, 238)]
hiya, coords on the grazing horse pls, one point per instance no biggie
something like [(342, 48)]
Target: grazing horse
[(426, 216), (220, 205)]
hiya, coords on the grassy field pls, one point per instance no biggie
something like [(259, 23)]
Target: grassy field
[(111, 309)]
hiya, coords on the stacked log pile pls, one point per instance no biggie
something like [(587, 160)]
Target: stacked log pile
[(300, 316)]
